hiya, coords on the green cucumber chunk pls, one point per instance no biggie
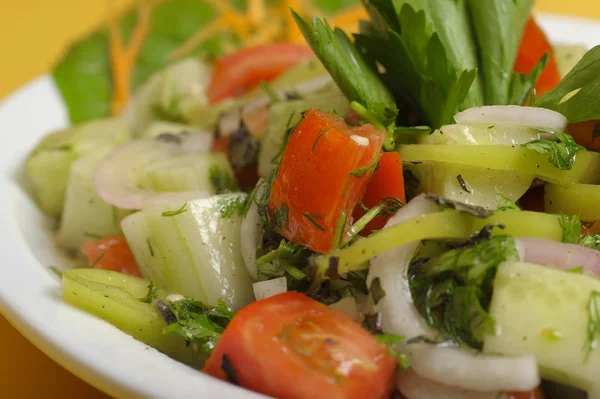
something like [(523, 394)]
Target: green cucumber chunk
[(86, 215), (543, 312), (49, 163), (575, 199), (483, 134), (115, 297), (193, 248)]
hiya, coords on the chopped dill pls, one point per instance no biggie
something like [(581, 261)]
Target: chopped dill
[(175, 212), (313, 219)]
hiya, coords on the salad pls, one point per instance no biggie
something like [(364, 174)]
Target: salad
[(397, 198)]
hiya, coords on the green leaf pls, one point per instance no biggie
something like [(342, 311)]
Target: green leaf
[(505, 205), (522, 85), (176, 212), (358, 81), (560, 153), (222, 180), (390, 341), (84, 77), (152, 292), (571, 228), (576, 96), (498, 26), (593, 328)]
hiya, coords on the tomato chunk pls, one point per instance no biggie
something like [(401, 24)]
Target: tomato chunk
[(111, 253), (536, 394), (292, 347), (324, 172), (586, 133), (387, 181), (236, 73), (534, 45)]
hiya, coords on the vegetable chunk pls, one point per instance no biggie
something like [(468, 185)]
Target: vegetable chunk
[(323, 174)]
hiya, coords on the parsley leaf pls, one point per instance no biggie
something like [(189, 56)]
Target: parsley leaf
[(152, 292), (390, 341), (505, 205), (560, 153), (576, 96), (571, 228)]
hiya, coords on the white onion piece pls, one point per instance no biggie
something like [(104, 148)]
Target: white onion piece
[(559, 255), (413, 386), (348, 306), (115, 176), (250, 239), (469, 369), (450, 366), (266, 289), (514, 115)]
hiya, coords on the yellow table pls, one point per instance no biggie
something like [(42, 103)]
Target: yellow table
[(34, 34)]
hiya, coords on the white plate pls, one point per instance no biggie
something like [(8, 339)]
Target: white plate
[(30, 293)]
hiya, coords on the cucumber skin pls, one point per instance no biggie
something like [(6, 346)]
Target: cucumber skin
[(528, 300), (114, 297), (49, 163), (85, 214), (196, 252)]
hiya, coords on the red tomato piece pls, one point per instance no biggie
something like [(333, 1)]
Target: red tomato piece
[(536, 394), (292, 347), (322, 176), (236, 73), (534, 45), (111, 253), (387, 181), (586, 134)]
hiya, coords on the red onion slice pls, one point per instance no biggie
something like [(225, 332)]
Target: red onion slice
[(514, 115), (559, 255), (466, 369), (115, 176)]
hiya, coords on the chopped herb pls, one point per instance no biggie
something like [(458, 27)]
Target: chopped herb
[(463, 184), (389, 341), (560, 153), (229, 371), (231, 205), (150, 249), (576, 270), (571, 228), (281, 216), (92, 236), (222, 180), (313, 219), (593, 329), (322, 134), (95, 262), (360, 172), (165, 311), (199, 323), (377, 293), (152, 292), (505, 205), (55, 270), (179, 211), (474, 210)]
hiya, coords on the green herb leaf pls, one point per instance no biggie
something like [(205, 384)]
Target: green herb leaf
[(506, 205), (523, 85), (95, 262), (571, 228), (232, 205), (576, 96), (55, 270), (281, 215), (560, 153), (176, 212), (222, 180), (314, 220), (356, 78), (576, 270), (152, 292), (389, 341), (199, 323), (593, 329)]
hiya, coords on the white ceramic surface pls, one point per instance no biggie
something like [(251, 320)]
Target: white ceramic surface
[(30, 293)]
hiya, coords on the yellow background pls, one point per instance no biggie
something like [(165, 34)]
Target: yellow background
[(33, 33)]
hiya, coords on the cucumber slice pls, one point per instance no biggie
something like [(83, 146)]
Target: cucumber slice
[(575, 199), (49, 163), (193, 249), (543, 311), (471, 185), (86, 215), (286, 114), (502, 157), (114, 297), (210, 173), (484, 134)]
